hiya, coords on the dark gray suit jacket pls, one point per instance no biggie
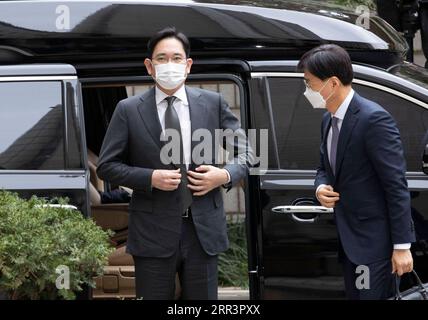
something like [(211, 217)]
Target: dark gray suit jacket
[(130, 153)]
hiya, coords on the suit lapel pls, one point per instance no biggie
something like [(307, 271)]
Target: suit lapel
[(326, 130), (348, 125), (198, 116), (149, 114)]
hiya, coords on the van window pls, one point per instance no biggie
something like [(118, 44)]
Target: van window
[(412, 121), (297, 125), (31, 126)]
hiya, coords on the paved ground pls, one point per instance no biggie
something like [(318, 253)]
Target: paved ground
[(233, 294)]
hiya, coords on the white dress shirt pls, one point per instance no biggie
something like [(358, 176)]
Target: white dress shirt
[(340, 115)]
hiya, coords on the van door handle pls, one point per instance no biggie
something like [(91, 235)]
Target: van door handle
[(293, 210), (302, 209)]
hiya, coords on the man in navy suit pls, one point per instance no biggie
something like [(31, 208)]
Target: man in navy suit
[(361, 175)]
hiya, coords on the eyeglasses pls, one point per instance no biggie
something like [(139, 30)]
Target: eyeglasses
[(309, 86), (164, 60)]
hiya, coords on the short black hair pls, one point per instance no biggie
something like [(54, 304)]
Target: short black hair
[(326, 61), (169, 32)]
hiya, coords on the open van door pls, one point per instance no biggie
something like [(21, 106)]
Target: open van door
[(42, 133)]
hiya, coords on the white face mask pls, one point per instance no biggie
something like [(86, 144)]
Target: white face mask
[(315, 98), (170, 75)]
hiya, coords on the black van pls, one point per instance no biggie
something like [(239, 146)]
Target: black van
[(65, 65)]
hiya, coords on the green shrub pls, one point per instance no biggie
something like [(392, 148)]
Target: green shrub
[(35, 240)]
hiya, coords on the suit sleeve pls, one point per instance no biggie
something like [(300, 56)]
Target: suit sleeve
[(385, 151), (321, 176), (242, 152), (112, 165)]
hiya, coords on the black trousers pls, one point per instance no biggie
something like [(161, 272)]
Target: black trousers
[(198, 273), (379, 283)]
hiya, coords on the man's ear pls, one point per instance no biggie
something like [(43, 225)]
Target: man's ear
[(149, 67), (189, 65), (336, 82)]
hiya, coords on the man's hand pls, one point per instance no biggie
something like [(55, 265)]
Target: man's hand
[(166, 180), (206, 178), (327, 197), (402, 261)]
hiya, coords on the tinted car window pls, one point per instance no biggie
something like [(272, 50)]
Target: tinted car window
[(31, 126), (297, 124), (412, 121)]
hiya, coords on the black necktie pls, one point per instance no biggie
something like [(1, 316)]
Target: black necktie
[(173, 122)]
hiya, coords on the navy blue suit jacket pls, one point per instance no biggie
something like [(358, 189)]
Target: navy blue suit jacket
[(374, 211)]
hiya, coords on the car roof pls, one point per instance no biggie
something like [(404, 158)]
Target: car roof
[(119, 30)]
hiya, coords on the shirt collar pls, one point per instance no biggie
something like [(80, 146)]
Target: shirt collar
[(341, 111), (180, 94)]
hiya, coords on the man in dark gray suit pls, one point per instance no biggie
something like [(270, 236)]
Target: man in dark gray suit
[(176, 216)]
